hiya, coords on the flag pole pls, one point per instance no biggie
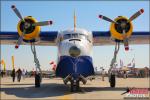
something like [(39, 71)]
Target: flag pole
[(13, 66)]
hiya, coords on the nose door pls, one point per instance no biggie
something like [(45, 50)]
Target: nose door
[(74, 51)]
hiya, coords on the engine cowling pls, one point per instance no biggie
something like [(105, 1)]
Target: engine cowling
[(31, 32), (122, 24)]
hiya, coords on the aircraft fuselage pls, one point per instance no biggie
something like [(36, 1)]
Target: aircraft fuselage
[(74, 53)]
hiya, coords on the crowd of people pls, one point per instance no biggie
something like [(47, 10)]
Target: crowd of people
[(19, 73), (15, 74)]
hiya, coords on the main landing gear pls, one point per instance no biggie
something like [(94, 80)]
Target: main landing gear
[(38, 73), (111, 72)]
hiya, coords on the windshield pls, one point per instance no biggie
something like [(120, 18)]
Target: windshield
[(68, 36)]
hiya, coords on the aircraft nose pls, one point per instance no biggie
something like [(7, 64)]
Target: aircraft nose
[(74, 51)]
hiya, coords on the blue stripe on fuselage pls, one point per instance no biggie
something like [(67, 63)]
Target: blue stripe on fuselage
[(68, 65)]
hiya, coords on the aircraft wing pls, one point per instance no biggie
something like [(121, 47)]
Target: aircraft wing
[(104, 38), (45, 38)]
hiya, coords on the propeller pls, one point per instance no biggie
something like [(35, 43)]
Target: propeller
[(123, 25), (27, 25)]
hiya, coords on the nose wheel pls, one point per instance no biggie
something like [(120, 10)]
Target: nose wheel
[(75, 86)]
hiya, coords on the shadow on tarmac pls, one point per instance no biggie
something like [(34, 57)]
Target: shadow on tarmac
[(15, 84), (51, 90), (46, 90), (90, 89)]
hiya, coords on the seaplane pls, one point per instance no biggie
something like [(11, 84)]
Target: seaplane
[(74, 63)]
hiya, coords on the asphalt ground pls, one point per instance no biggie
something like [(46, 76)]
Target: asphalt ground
[(55, 89)]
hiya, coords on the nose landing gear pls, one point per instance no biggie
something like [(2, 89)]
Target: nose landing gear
[(75, 82)]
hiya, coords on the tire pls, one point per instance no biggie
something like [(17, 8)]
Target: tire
[(77, 85), (112, 80), (72, 86), (37, 80)]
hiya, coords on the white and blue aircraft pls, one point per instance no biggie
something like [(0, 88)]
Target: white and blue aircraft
[(74, 45)]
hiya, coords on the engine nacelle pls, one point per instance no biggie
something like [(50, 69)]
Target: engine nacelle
[(31, 32), (123, 24)]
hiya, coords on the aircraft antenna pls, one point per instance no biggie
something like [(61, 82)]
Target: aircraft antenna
[(74, 21)]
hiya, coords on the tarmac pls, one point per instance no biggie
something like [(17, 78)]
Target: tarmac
[(55, 89)]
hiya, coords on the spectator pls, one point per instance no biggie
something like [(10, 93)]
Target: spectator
[(137, 73), (13, 75), (19, 73), (26, 73), (23, 74), (103, 74), (2, 73), (124, 74)]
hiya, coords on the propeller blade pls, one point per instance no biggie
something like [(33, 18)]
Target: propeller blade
[(17, 12), (134, 16), (107, 19), (44, 23), (20, 40)]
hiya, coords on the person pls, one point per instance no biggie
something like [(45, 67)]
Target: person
[(2, 73), (137, 73), (26, 73), (125, 74), (13, 75), (103, 74), (19, 73), (23, 73)]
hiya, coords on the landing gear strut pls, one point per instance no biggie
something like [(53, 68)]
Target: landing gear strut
[(75, 83), (38, 73), (111, 73)]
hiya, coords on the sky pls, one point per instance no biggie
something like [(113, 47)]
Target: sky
[(61, 13)]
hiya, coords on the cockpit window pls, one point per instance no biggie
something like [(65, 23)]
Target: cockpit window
[(68, 36)]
